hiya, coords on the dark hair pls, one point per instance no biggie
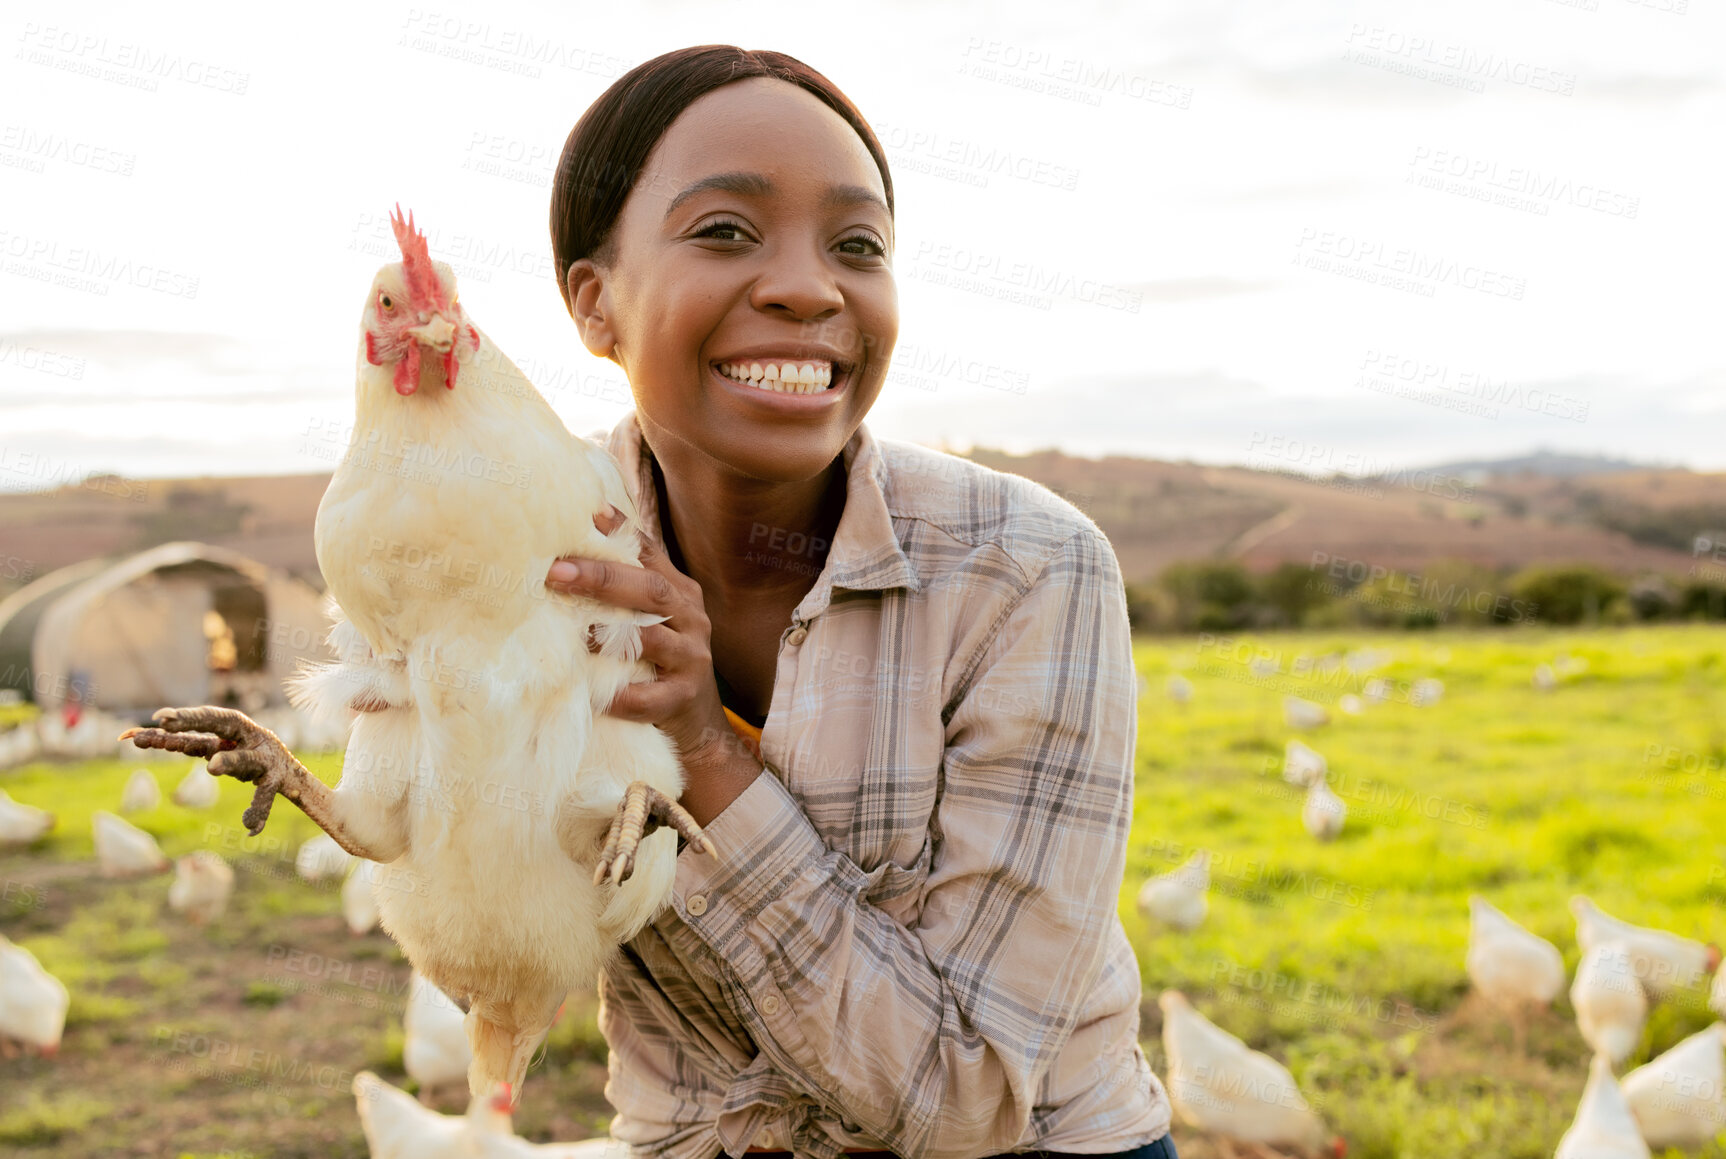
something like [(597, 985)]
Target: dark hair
[(608, 147)]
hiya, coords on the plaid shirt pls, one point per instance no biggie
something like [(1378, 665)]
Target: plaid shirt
[(910, 939)]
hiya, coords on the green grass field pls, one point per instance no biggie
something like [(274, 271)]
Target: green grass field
[(1343, 960)]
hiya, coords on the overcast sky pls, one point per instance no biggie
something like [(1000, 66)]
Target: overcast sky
[(1349, 236)]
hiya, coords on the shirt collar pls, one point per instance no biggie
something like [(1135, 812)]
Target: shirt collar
[(865, 556)]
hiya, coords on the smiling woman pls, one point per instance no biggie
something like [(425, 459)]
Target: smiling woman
[(900, 683)]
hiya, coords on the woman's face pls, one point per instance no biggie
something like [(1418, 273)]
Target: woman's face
[(759, 227)]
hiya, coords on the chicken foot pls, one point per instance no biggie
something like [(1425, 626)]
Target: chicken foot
[(642, 810), (238, 746)]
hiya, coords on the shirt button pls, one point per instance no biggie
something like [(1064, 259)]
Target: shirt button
[(770, 1004), (797, 636), (697, 904)]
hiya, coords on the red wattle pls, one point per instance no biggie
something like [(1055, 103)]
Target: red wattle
[(372, 349), (450, 366), (408, 371)]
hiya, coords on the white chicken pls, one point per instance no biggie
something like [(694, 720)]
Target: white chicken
[(359, 900), (1324, 812), (1177, 898), (322, 857), (1679, 1099), (197, 789), (396, 1127), (22, 824), (1301, 713), (1302, 764), (1350, 703), (1180, 689), (202, 883), (124, 849), (1513, 969), (1545, 679), (141, 793), (1604, 1127), (33, 1002), (1664, 962), (1219, 1084), (19, 746), (1610, 1005), (480, 761), (436, 1052)]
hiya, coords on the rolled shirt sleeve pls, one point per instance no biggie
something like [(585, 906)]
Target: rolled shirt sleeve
[(933, 1037)]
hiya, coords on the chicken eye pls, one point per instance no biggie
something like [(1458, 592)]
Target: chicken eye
[(384, 301)]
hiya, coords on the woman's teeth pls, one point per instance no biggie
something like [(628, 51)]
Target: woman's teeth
[(784, 377)]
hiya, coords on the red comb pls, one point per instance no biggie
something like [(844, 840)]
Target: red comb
[(423, 288)]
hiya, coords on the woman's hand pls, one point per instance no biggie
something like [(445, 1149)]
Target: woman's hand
[(683, 699)]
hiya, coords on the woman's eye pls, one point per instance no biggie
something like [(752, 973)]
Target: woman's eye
[(725, 226), (867, 241)]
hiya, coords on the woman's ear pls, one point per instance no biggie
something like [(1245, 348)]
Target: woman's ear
[(587, 305)]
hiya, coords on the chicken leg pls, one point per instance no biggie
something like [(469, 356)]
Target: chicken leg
[(642, 810), (238, 746)]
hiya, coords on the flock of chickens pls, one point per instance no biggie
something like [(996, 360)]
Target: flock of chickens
[(435, 1053), (1239, 1095), (1215, 1081)]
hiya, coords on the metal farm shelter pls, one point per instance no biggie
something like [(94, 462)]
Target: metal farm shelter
[(182, 623)]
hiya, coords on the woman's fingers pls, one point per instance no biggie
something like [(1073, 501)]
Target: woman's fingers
[(626, 587), (565, 571), (646, 701), (660, 646), (611, 583)]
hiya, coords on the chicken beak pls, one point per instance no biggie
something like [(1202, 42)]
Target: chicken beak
[(438, 333)]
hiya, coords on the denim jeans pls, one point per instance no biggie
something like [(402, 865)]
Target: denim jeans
[(1163, 1148)]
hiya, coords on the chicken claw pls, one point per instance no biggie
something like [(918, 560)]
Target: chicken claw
[(642, 810), (236, 745)]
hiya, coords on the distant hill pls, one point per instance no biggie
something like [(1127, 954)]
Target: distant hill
[(1157, 513), (1623, 517), (1554, 464)]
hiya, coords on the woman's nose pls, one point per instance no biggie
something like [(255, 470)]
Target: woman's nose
[(798, 281)]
